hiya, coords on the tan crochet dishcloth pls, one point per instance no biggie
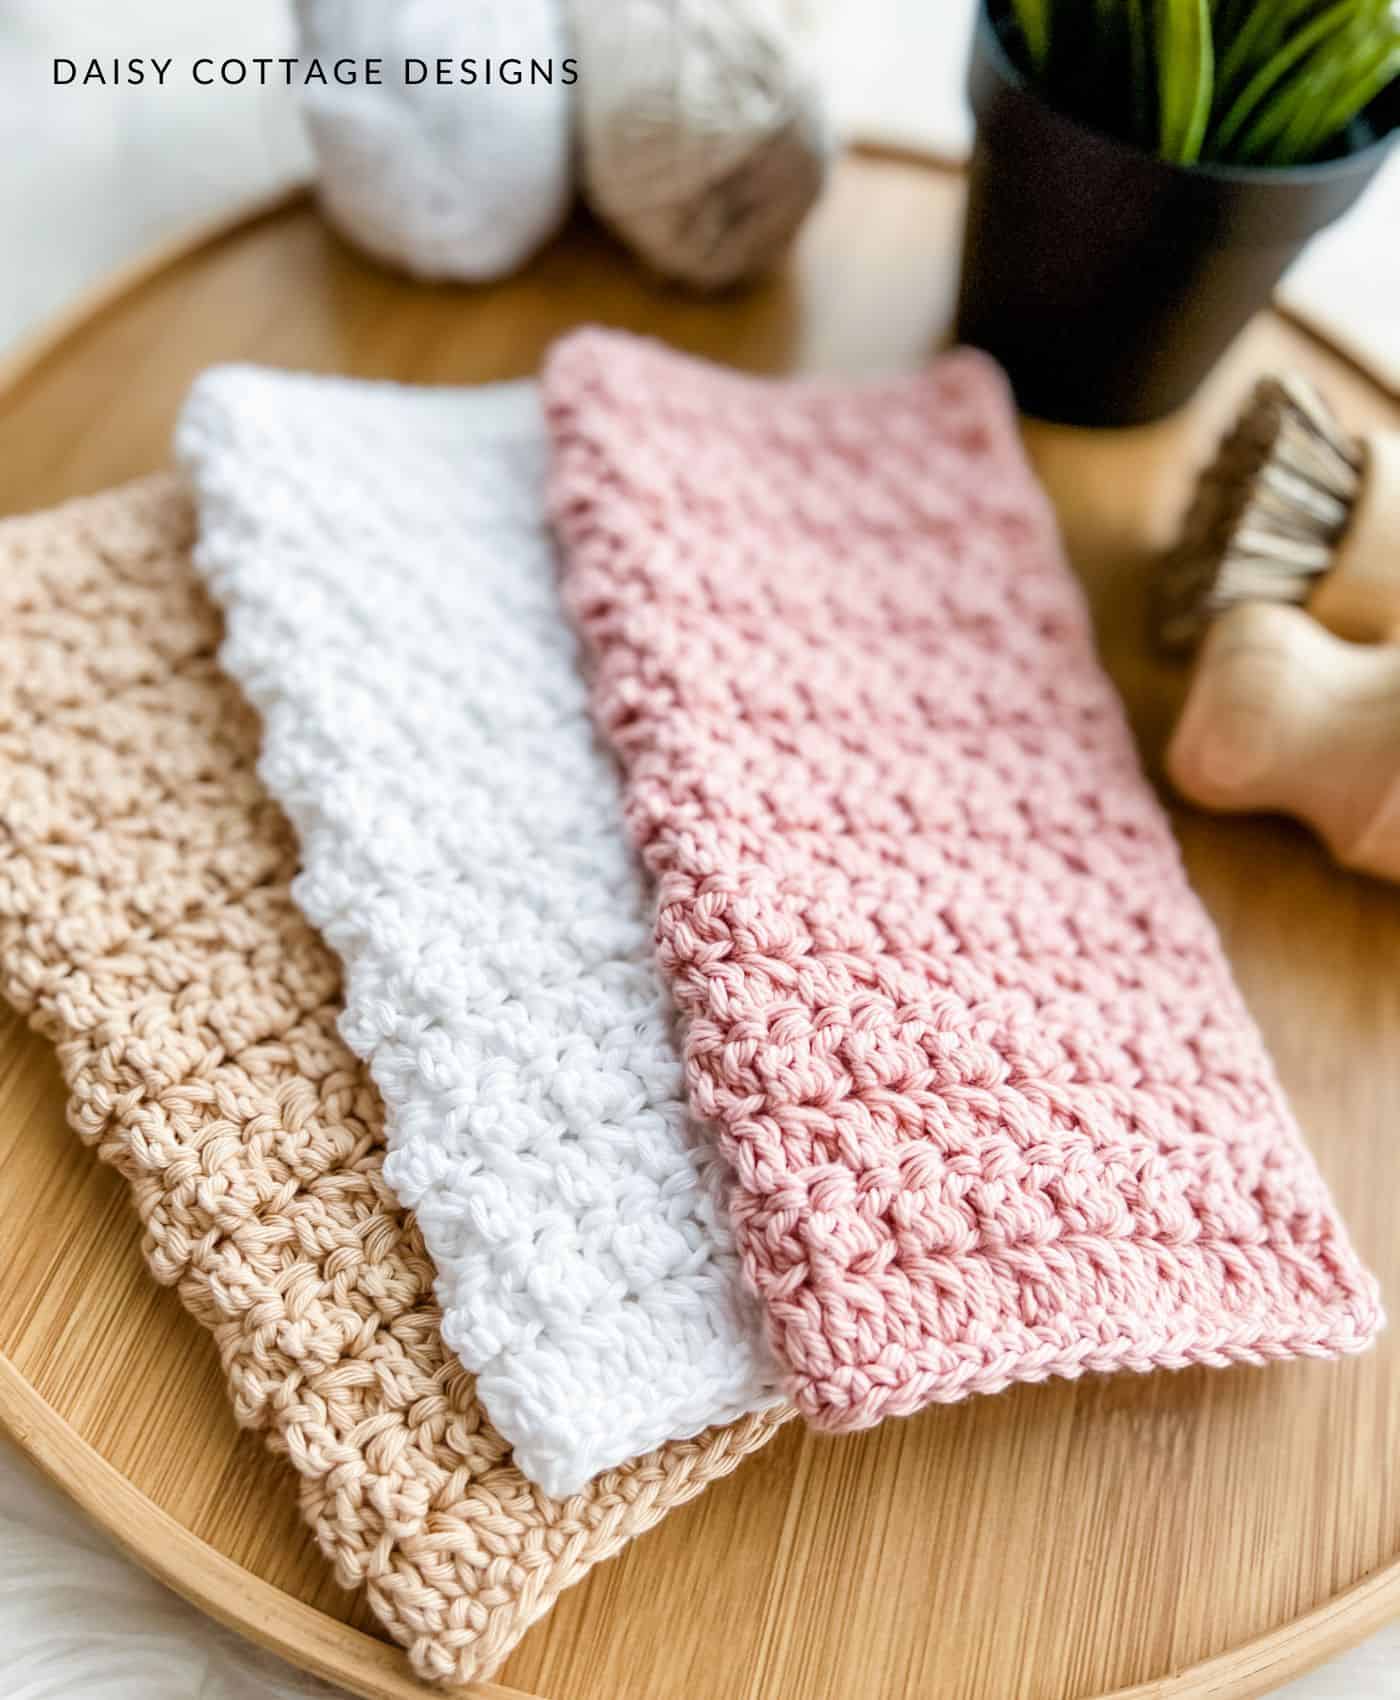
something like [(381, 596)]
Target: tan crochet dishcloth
[(146, 927)]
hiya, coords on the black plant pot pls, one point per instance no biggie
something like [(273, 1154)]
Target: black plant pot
[(1107, 281)]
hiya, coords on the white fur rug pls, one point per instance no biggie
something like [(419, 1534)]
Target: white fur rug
[(79, 1621)]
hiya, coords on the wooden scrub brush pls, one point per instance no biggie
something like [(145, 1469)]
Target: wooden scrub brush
[(1293, 509), (1287, 576)]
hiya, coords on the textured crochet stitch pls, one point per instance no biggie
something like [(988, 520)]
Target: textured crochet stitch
[(389, 584), (996, 1108), (147, 928)]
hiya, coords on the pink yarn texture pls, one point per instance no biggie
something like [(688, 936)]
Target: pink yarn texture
[(996, 1108)]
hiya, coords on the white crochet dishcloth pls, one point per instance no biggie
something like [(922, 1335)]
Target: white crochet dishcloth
[(383, 559)]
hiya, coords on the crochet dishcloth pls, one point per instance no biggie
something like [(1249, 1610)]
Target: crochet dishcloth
[(996, 1109), (389, 584), (146, 927)]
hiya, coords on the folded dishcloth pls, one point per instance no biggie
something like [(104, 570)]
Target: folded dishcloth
[(146, 927), (383, 560), (996, 1108)]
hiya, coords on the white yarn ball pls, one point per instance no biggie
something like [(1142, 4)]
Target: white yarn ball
[(449, 181), (704, 140)]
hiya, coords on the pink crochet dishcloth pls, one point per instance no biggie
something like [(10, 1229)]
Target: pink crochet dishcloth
[(996, 1107)]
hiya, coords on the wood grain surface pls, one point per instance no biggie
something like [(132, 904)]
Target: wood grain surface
[(1206, 1533)]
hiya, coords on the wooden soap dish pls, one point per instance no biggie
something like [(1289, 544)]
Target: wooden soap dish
[(1208, 1533)]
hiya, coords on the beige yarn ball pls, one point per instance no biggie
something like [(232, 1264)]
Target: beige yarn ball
[(704, 141)]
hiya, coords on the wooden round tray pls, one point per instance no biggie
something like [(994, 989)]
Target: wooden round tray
[(1207, 1533)]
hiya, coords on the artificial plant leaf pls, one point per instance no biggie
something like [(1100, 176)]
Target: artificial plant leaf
[(1185, 77), (1140, 71), (1294, 109), (1252, 34), (1336, 20), (1034, 18), (1347, 97), (1339, 77)]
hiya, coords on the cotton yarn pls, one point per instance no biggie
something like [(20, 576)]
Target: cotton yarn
[(996, 1109), (443, 181), (703, 138), (147, 929), (389, 581)]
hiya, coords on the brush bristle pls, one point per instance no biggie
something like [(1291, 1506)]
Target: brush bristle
[(1267, 512)]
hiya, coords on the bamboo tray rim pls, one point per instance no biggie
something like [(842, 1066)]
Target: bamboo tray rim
[(311, 1639)]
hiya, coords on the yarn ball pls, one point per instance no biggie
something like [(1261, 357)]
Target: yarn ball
[(704, 139), (444, 180)]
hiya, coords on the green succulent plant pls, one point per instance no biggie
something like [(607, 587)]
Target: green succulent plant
[(1245, 82)]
